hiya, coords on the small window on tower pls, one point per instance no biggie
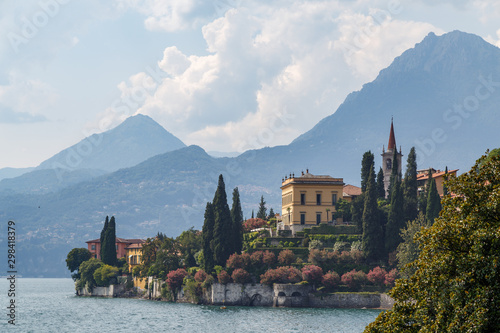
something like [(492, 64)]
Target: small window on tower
[(389, 164)]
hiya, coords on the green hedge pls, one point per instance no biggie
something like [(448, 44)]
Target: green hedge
[(301, 252), (336, 238), (326, 229)]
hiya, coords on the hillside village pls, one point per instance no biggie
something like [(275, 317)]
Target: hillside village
[(323, 240)]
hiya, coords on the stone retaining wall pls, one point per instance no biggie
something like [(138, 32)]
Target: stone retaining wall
[(113, 290)]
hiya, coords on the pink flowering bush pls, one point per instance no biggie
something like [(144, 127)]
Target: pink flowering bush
[(269, 258), (391, 277), (312, 274), (286, 257), (377, 276), (200, 276), (240, 276), (330, 280), (283, 274), (238, 261), (175, 279), (223, 277), (254, 223), (354, 279)]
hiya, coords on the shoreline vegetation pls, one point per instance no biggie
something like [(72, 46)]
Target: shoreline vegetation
[(448, 254)]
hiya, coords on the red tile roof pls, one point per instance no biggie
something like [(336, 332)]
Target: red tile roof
[(120, 240), (352, 190), (423, 176)]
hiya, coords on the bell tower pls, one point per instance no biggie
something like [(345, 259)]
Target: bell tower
[(387, 159)]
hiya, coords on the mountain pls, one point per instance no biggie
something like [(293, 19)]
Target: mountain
[(133, 141), (443, 95), (13, 172)]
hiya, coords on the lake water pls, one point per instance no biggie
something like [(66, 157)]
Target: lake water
[(50, 305)]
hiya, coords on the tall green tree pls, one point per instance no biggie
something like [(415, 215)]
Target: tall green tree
[(102, 239), (373, 233), (410, 189), (237, 219), (109, 248), (395, 221), (261, 213), (271, 214), (223, 245), (189, 242), (366, 164), (408, 250), (380, 184), (445, 188), (357, 207), (395, 174), (456, 285), (208, 236), (433, 201), (74, 259)]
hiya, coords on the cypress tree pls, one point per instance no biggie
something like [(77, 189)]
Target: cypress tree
[(357, 207), (103, 232), (380, 184), (410, 189), (396, 220), (223, 244), (395, 174), (271, 214), (261, 213), (366, 165), (207, 234), (109, 252), (237, 219), (445, 188), (253, 216), (373, 233), (433, 202)]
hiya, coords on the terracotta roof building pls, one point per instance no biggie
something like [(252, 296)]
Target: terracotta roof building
[(438, 176), (94, 246)]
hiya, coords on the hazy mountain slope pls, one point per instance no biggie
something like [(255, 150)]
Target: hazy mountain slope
[(13, 172), (133, 141), (168, 192)]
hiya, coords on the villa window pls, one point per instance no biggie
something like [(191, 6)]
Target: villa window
[(92, 247), (318, 218), (302, 198), (302, 218), (334, 199), (318, 199)]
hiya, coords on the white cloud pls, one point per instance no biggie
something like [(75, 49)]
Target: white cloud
[(23, 100), (274, 70)]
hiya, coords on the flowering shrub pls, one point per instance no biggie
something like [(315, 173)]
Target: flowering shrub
[(391, 277), (283, 274), (175, 279), (312, 274), (238, 261), (330, 280), (256, 258), (254, 223), (240, 276), (377, 276), (286, 257), (269, 258), (354, 279), (223, 277), (200, 276), (357, 256)]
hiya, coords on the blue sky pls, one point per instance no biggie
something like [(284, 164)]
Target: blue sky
[(228, 75)]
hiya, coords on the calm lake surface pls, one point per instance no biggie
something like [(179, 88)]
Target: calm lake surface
[(50, 305)]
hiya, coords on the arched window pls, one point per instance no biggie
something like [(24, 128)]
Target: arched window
[(388, 164)]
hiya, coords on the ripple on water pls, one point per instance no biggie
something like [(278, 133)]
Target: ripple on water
[(50, 305)]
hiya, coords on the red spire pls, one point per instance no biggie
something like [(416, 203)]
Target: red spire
[(392, 139)]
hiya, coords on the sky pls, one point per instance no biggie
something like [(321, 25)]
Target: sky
[(227, 75)]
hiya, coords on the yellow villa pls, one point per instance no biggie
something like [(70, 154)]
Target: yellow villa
[(134, 256), (309, 200)]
